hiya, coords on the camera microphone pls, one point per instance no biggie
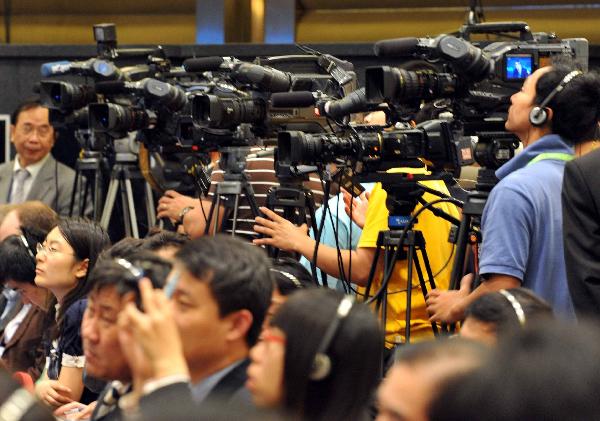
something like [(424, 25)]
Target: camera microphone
[(92, 67), (266, 78), (292, 99), (110, 87), (354, 102), (202, 64), (396, 47)]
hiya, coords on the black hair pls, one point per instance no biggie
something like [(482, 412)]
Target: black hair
[(17, 257), (123, 248), (163, 238), (546, 371), (87, 239), (576, 108), (108, 272), (290, 276), (497, 309), (237, 274), (29, 103), (355, 353)]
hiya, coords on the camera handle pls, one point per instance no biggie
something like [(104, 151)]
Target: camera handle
[(497, 28)]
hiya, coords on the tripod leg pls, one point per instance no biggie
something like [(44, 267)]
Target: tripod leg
[(235, 214), (98, 193), (111, 196), (434, 326), (76, 188), (150, 211), (132, 217), (410, 261)]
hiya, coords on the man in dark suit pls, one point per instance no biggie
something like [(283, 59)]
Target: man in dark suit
[(219, 300), (519, 72), (34, 174), (581, 231)]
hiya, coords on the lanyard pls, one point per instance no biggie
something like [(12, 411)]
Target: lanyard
[(551, 155)]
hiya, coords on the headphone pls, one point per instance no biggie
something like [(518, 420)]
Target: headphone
[(538, 116), (516, 305), (321, 365), (26, 244)]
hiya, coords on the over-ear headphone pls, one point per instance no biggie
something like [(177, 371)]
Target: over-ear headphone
[(321, 366), (538, 114)]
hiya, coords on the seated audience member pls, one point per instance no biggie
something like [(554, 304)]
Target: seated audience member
[(223, 291), (63, 264), (115, 283), (22, 345), (32, 215), (418, 374), (581, 226), (18, 404), (165, 243), (319, 359), (289, 276), (502, 312), (522, 221), (547, 371), (34, 174)]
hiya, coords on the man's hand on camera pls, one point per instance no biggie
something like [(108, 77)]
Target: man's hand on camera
[(172, 203), (279, 232), (448, 306)]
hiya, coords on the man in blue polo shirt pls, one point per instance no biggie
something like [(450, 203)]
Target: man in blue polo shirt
[(522, 220)]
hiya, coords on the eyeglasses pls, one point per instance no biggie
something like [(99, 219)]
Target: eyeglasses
[(42, 131), (49, 250)]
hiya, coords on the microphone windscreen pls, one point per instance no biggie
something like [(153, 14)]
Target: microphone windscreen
[(55, 68), (292, 99), (397, 47), (202, 64)]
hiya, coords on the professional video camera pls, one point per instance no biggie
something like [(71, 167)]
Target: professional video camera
[(476, 78), (375, 149), (252, 101)]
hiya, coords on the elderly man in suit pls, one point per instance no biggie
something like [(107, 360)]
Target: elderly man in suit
[(34, 174)]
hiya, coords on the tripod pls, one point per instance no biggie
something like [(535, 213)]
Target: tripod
[(90, 166), (393, 243), (293, 197), (228, 192), (468, 230), (404, 193), (123, 172)]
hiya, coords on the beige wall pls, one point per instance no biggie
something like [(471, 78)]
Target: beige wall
[(173, 21)]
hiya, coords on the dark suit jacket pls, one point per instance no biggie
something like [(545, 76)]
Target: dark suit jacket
[(176, 402), (581, 230), (25, 350), (47, 187)]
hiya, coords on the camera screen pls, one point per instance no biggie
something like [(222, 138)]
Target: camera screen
[(518, 66)]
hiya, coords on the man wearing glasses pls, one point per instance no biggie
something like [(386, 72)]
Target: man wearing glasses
[(34, 174)]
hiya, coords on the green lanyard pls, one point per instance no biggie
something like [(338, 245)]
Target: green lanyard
[(551, 155)]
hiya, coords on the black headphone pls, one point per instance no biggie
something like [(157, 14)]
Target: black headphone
[(321, 366), (538, 114)]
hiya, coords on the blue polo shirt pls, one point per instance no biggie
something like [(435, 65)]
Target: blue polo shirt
[(522, 224)]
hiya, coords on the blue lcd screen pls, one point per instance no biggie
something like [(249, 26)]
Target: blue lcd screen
[(518, 67)]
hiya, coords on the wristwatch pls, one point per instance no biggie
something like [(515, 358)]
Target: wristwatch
[(183, 212)]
